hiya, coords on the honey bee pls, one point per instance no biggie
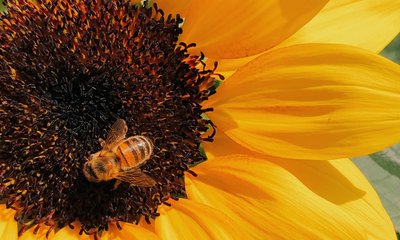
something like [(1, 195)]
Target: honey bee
[(120, 158)]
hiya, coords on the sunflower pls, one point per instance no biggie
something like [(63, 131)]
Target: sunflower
[(298, 82)]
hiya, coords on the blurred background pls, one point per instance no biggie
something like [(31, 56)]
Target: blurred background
[(393, 50), (383, 168)]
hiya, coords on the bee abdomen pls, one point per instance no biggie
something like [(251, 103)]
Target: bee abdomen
[(134, 150), (144, 145)]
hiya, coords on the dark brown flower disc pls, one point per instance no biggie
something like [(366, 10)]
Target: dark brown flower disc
[(69, 69)]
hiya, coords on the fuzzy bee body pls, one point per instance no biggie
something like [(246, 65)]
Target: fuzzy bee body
[(133, 151), (120, 158)]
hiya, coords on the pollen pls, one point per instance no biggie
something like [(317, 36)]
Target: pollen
[(69, 69)]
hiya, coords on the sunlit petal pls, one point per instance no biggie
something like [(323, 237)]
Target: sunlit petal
[(128, 231), (181, 7), (190, 220), (8, 226), (368, 24), (283, 202), (67, 233), (230, 29), (41, 234), (312, 101)]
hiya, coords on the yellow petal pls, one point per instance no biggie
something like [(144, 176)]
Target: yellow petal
[(40, 235), (311, 101), (8, 226), (368, 24), (227, 67), (235, 28), (330, 180), (129, 231), (66, 233), (317, 200), (372, 27), (147, 226), (174, 7), (223, 145), (190, 220)]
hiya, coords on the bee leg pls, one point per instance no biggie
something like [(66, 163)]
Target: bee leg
[(102, 142), (116, 184)]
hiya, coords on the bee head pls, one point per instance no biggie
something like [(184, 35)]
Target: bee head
[(90, 173), (97, 169)]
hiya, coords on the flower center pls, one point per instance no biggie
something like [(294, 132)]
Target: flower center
[(69, 69)]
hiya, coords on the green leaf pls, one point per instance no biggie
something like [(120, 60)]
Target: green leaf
[(392, 51), (3, 8), (383, 171)]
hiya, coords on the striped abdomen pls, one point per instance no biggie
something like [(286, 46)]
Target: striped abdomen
[(133, 151)]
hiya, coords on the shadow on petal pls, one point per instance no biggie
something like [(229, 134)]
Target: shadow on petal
[(323, 179), (292, 199)]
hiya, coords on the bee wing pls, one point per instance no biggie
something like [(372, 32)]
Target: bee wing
[(116, 134), (135, 176)]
